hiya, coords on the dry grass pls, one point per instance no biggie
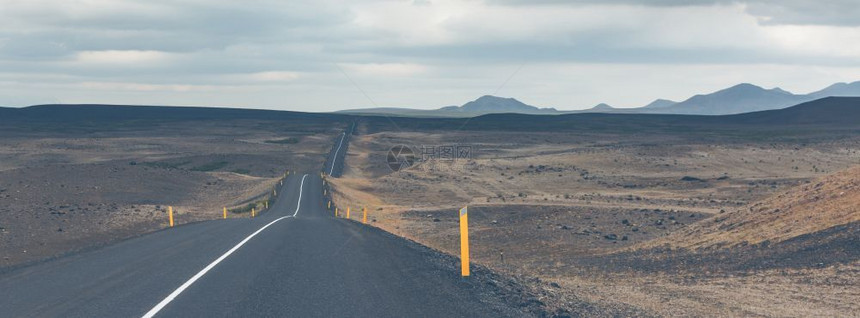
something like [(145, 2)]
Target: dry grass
[(823, 203), (548, 199), (823, 292)]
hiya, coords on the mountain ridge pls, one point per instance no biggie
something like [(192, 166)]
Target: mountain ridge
[(737, 99)]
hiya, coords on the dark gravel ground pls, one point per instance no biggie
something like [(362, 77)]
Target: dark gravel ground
[(530, 294)]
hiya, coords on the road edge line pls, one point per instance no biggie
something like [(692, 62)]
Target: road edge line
[(154, 311), (336, 151)]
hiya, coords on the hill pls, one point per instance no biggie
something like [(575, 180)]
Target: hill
[(659, 103), (97, 112), (448, 111), (838, 89), (806, 209), (486, 104), (827, 113), (491, 104), (741, 98), (833, 111), (87, 118), (744, 98), (738, 99), (600, 108)]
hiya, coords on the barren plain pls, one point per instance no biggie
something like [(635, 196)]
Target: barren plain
[(66, 190), (619, 218)]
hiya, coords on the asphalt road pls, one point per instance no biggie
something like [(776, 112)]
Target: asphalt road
[(294, 260), (335, 162)]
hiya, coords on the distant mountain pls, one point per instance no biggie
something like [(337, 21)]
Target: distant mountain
[(744, 98), (600, 108), (838, 89), (660, 103), (738, 99), (488, 104), (833, 114), (448, 111), (741, 98), (484, 105), (492, 104)]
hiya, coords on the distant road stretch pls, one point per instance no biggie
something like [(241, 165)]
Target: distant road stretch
[(336, 159)]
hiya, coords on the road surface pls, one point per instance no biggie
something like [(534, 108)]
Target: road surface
[(335, 162), (294, 260)]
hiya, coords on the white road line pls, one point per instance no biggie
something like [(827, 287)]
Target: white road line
[(152, 312), (299, 202), (334, 160)]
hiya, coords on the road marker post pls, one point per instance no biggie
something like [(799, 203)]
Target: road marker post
[(170, 215), (364, 215), (253, 212), (267, 204), (225, 212), (347, 212), (329, 205), (464, 241), (335, 211), (275, 192)]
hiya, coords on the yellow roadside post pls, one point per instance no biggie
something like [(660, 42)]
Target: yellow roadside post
[(335, 212), (364, 216), (329, 205), (170, 215), (253, 212), (225, 212), (347, 212), (464, 241)]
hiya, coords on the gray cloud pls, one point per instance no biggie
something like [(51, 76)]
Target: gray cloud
[(658, 3), (794, 12), (139, 51), (800, 12)]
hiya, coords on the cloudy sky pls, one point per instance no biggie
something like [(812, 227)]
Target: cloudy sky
[(325, 55)]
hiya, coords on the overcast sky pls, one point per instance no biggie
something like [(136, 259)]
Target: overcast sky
[(326, 55)]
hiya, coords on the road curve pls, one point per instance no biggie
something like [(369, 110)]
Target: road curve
[(336, 160), (295, 260)]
